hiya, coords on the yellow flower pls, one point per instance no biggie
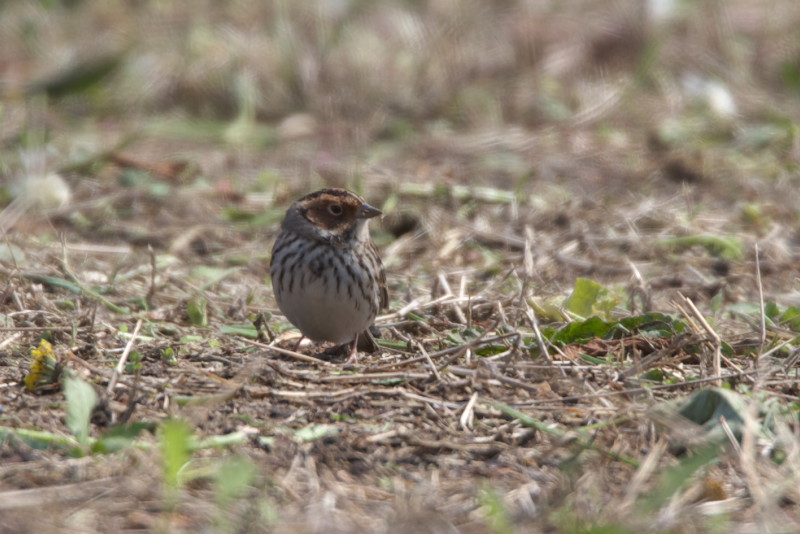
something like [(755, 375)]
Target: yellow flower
[(44, 369)]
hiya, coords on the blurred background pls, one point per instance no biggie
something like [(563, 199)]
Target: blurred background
[(497, 93)]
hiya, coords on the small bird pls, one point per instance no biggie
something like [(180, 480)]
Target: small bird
[(327, 276)]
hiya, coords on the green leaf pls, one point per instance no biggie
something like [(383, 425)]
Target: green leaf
[(120, 437), (593, 359), (726, 247), (790, 72), (578, 331), (78, 77), (76, 288), (708, 406), (656, 375), (37, 439), (134, 362), (236, 214), (696, 422), (81, 401), (315, 432), (233, 479), (220, 441), (169, 356), (771, 309), (649, 324), (745, 308), (212, 275), (414, 317), (548, 308), (176, 438), (245, 330), (391, 344), (54, 282), (590, 298), (454, 337), (790, 318), (197, 310), (491, 350), (652, 324)]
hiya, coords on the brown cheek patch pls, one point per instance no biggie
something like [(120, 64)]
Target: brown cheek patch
[(319, 215), (321, 218)]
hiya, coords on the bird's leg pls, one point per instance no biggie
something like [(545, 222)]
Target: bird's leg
[(299, 342), (353, 351)]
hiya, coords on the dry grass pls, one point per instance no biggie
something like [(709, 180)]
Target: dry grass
[(515, 147)]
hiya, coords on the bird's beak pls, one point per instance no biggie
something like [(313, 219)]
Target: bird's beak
[(368, 212)]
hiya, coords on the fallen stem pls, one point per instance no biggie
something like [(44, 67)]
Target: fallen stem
[(529, 421)]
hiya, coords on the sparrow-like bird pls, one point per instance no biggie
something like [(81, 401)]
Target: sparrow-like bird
[(327, 276)]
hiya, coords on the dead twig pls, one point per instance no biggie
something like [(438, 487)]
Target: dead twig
[(690, 311), (285, 352), (123, 358)]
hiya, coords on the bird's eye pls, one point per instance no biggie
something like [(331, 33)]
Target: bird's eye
[(335, 209)]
